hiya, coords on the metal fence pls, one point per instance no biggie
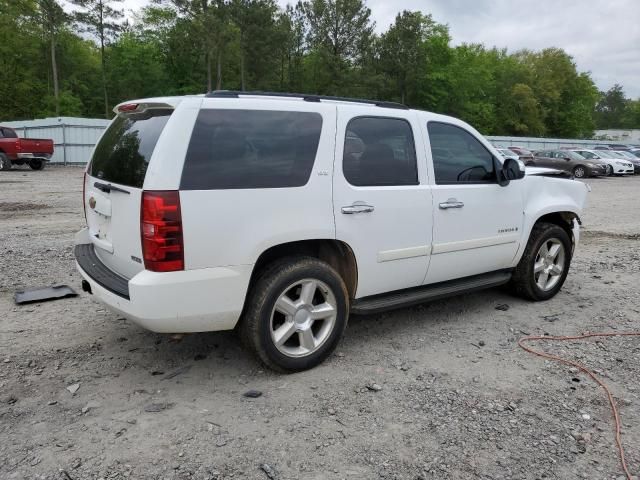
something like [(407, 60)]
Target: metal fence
[(532, 143), (73, 138)]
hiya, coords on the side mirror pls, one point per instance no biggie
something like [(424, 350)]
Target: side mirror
[(511, 170)]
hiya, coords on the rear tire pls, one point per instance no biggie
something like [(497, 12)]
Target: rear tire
[(545, 263), (296, 314), (5, 163), (36, 164)]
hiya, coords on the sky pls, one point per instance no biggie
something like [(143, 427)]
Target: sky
[(603, 36)]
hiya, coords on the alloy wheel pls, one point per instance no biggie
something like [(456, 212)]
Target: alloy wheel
[(549, 264), (303, 317)]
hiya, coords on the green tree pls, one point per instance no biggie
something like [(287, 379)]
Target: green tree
[(404, 54), (100, 18), (631, 116), (53, 19), (339, 33), (521, 112), (610, 108), (257, 29), (136, 68)]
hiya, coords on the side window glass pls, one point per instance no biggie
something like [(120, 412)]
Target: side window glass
[(379, 151), (250, 149), (458, 157)]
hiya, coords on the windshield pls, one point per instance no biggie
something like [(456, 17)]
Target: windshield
[(124, 151)]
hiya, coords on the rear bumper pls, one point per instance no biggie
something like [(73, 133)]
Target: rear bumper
[(27, 156), (202, 300)]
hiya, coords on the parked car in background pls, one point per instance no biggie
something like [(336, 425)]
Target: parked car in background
[(617, 165), (275, 215), (631, 157), (524, 154), (569, 161), (618, 146), (506, 153), (34, 152)]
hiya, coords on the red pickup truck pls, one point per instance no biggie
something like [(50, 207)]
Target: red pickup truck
[(35, 152)]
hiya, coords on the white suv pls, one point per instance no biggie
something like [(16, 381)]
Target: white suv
[(281, 214)]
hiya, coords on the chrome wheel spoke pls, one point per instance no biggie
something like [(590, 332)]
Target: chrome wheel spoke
[(286, 306), (307, 340), (544, 250), (554, 250), (542, 280), (556, 270), (322, 311), (538, 267), (284, 332), (308, 291)]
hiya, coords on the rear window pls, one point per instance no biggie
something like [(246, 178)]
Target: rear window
[(124, 151), (233, 149)]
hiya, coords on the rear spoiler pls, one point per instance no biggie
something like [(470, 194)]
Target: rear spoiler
[(137, 107)]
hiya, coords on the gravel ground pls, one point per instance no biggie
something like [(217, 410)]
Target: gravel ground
[(440, 391)]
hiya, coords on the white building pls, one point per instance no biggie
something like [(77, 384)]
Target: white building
[(622, 136), (73, 138)]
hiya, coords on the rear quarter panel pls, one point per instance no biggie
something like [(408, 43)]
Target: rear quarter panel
[(234, 226)]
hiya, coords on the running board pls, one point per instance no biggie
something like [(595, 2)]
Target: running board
[(428, 293)]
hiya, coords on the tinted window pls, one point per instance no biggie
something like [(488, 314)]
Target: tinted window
[(124, 151), (7, 133), (251, 149), (379, 151), (458, 157)]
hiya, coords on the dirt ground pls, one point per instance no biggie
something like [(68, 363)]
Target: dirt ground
[(458, 398)]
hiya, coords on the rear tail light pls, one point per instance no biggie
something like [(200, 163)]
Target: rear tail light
[(161, 231)]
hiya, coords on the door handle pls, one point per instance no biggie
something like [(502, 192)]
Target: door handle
[(357, 208), (451, 203)]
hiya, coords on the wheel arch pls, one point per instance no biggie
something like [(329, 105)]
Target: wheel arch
[(336, 253), (564, 220)]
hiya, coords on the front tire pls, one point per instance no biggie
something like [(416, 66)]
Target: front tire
[(545, 263), (296, 314), (5, 163), (579, 172)]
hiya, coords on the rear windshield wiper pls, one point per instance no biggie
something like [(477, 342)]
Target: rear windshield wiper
[(107, 187)]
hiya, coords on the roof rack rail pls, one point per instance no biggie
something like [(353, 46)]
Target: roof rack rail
[(307, 97)]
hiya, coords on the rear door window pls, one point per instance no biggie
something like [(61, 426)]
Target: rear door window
[(379, 151), (238, 149), (124, 151)]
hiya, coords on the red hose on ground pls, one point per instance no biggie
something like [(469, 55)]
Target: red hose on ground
[(549, 356)]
